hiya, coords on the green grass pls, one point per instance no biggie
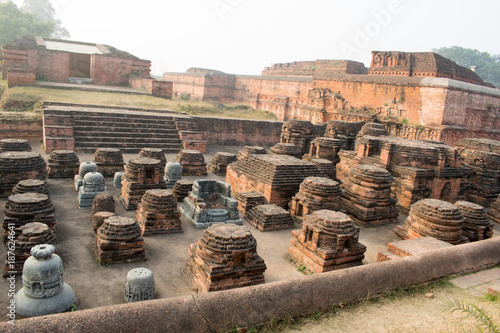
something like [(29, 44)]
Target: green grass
[(3, 86), (30, 99)]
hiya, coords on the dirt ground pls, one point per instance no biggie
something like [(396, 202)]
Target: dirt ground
[(96, 285), (406, 313)]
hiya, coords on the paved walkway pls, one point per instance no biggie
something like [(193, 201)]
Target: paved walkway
[(480, 283), (90, 87)]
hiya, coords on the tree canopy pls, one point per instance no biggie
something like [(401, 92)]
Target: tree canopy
[(44, 10), (488, 65), (15, 23)]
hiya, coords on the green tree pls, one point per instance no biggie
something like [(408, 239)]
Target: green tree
[(488, 65), (44, 10), (15, 23)]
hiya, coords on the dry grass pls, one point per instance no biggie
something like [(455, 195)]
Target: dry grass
[(403, 310), (31, 98)]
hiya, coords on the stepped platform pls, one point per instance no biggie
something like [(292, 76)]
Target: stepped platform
[(85, 128)]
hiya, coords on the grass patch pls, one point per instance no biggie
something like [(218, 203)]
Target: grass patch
[(288, 322), (17, 100), (31, 98), (226, 111), (3, 86)]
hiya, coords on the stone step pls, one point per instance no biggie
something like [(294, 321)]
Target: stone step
[(127, 125), (120, 140), (111, 115), (116, 134)]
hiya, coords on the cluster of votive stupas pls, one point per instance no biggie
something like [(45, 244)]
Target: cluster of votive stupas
[(294, 186)]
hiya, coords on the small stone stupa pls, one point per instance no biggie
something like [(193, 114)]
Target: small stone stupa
[(44, 291)]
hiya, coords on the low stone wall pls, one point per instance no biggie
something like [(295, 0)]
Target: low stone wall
[(230, 131), (20, 128), (250, 306)]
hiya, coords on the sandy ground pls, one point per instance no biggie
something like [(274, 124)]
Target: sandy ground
[(409, 313), (96, 285)]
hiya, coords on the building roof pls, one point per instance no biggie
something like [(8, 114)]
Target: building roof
[(31, 43)]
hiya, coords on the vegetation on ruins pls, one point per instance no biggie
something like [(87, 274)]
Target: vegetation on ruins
[(488, 65), (15, 23), (472, 310), (30, 99)]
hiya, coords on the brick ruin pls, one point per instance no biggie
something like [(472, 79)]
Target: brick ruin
[(17, 166), (32, 234), (327, 241), (276, 177), (31, 186), (153, 153), (225, 257), (141, 174), (220, 161), (286, 149), (315, 193), (108, 161), (419, 169), (367, 196), (494, 212), (436, 98), (58, 60), (25, 208), (269, 218), (63, 164), (247, 150), (182, 188), (477, 225), (103, 202), (14, 145), (157, 213), (435, 218), (346, 131), (119, 241), (192, 162), (483, 157), (298, 132), (248, 200)]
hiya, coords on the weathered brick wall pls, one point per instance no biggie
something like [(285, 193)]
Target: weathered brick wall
[(219, 88), (228, 131), (11, 57), (50, 65), (183, 83), (22, 128), (152, 86), (109, 70), (21, 78)]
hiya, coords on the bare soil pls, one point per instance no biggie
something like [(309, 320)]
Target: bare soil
[(404, 313)]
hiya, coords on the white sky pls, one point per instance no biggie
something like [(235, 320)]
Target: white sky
[(244, 36)]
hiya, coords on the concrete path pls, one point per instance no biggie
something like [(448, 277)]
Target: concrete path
[(480, 283)]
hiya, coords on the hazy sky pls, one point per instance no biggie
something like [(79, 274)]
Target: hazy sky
[(244, 36)]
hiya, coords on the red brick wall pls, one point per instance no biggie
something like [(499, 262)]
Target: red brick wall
[(227, 131), (20, 128), (152, 86), (110, 71), (50, 65), (21, 78), (192, 84)]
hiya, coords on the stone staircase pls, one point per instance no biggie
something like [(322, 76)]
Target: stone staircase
[(88, 127)]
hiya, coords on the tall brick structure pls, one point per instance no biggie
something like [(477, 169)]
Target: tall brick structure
[(439, 99)]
